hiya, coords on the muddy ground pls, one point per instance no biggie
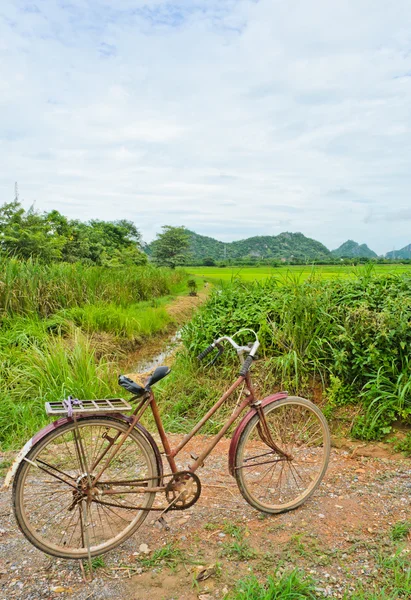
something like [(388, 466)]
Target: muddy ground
[(339, 536)]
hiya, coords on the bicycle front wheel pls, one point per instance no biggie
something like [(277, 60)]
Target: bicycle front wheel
[(270, 481), (57, 505)]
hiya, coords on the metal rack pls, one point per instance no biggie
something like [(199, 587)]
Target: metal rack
[(104, 405)]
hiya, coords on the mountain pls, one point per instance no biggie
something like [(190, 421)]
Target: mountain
[(202, 246), (351, 249), (403, 253), (283, 246)]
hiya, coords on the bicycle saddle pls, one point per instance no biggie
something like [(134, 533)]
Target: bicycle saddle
[(138, 390)]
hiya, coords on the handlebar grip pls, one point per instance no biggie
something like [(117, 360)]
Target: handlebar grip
[(204, 353), (246, 365)]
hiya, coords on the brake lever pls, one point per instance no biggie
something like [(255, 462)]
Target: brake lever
[(217, 356)]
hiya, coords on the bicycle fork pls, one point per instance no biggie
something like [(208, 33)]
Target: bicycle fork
[(265, 433)]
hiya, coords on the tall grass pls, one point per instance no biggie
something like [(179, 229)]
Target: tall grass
[(49, 318), (48, 371), (33, 288), (133, 322)]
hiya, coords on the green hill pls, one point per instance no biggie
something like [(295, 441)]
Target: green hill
[(351, 249), (403, 253), (284, 246)]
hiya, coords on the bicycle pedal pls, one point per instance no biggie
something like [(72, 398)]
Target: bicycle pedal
[(163, 523)]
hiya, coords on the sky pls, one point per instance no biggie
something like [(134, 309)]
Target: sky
[(234, 118)]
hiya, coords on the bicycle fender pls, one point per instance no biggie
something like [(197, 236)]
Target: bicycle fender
[(46, 430), (243, 424)]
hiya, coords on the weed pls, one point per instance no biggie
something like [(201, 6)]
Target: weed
[(293, 585), (212, 526), (400, 530), (236, 531), (404, 445), (97, 562), (170, 556), (308, 547), (238, 550), (134, 321)]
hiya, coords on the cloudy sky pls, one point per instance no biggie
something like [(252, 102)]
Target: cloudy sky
[(231, 117)]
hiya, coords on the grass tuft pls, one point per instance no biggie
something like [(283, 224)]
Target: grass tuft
[(293, 585)]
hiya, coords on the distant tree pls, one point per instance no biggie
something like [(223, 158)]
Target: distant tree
[(170, 249), (27, 234), (209, 262)]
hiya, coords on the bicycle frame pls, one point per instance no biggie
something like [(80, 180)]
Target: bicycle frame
[(171, 453)]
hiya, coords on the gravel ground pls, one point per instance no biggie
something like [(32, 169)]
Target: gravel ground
[(338, 536)]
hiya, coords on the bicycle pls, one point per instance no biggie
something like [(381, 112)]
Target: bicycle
[(86, 483)]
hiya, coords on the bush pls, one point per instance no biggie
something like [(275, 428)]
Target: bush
[(352, 336)]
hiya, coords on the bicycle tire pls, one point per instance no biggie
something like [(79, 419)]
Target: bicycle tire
[(256, 480), (42, 502)]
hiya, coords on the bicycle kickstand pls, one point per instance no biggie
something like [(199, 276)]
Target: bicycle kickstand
[(86, 538)]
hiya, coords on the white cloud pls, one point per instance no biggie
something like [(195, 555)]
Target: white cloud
[(218, 115)]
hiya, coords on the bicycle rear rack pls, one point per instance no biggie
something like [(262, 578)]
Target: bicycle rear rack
[(88, 406)]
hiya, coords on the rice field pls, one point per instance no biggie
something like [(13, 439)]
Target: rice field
[(295, 272)]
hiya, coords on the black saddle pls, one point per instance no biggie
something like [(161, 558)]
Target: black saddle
[(135, 389)]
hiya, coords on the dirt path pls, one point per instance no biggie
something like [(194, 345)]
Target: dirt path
[(338, 536), (162, 347)]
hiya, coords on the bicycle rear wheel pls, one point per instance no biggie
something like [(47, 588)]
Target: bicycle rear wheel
[(270, 482), (50, 489)]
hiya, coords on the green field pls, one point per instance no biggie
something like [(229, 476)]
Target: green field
[(293, 272)]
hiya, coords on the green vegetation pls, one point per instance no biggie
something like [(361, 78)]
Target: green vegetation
[(132, 322), (29, 287), (351, 339), (286, 586), (285, 246), (65, 328), (170, 247), (404, 445), (238, 550), (170, 555), (51, 237), (287, 273), (393, 583), (400, 530)]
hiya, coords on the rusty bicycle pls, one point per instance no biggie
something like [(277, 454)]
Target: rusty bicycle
[(86, 482)]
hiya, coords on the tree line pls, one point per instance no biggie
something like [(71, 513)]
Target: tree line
[(52, 237)]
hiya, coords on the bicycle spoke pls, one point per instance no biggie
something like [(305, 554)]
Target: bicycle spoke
[(296, 429), (53, 488)]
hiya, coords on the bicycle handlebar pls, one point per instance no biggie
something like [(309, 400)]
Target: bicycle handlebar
[(204, 353), (251, 351), (246, 365)]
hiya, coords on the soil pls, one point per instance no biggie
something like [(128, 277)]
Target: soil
[(336, 536)]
